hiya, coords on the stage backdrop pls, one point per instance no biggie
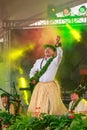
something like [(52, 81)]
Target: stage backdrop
[(28, 44)]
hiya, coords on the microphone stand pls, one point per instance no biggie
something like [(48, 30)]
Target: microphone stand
[(10, 95), (6, 92)]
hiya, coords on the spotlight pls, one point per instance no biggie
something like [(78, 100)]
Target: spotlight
[(82, 10), (67, 12), (52, 11)]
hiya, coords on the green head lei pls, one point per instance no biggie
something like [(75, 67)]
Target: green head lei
[(4, 95), (50, 46)]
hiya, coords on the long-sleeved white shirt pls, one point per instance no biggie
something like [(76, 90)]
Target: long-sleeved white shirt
[(50, 73), (81, 107)]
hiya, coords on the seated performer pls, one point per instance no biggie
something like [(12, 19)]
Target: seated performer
[(6, 104), (77, 104), (46, 97)]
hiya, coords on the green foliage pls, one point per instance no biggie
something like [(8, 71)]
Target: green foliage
[(61, 122), (6, 118), (45, 122), (21, 123), (79, 123)]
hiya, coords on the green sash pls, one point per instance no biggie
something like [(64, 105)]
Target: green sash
[(75, 104), (37, 75)]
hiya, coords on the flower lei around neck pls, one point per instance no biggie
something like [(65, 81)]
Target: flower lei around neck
[(75, 104), (38, 74)]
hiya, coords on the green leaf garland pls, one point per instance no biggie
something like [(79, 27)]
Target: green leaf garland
[(37, 76)]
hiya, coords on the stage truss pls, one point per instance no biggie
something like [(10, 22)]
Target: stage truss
[(35, 23)]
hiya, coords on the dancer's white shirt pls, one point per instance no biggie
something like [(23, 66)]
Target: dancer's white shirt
[(50, 73)]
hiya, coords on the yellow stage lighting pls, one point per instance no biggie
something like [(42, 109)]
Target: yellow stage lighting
[(15, 54), (23, 84), (74, 33)]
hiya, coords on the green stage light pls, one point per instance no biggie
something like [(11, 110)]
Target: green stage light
[(82, 9)]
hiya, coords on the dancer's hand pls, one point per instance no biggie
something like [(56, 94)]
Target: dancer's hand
[(33, 81), (57, 41)]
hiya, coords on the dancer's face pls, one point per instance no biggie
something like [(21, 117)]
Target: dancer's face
[(48, 52)]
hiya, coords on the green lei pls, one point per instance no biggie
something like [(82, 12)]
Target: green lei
[(42, 71), (75, 104)]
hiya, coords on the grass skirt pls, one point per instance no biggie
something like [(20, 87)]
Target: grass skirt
[(47, 98)]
